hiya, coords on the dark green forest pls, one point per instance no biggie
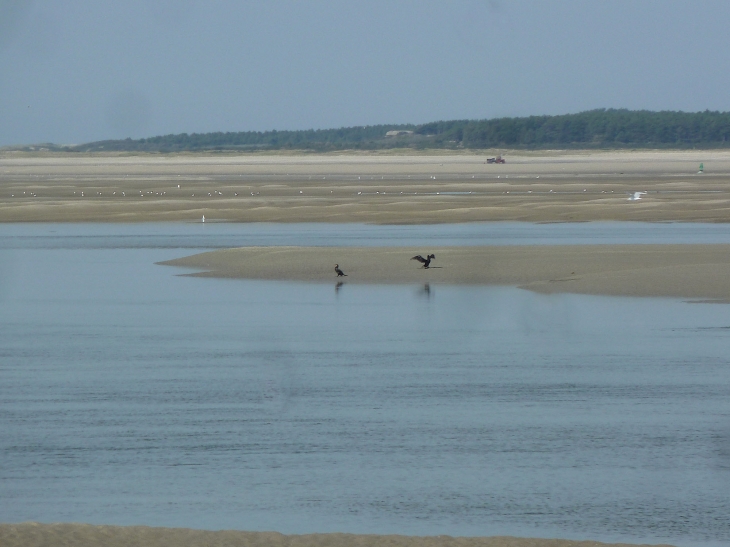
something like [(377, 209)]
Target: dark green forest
[(602, 128)]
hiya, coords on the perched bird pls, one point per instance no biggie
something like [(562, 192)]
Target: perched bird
[(425, 261), (340, 273)]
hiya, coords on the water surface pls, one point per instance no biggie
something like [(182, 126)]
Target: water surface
[(212, 235), (130, 395)]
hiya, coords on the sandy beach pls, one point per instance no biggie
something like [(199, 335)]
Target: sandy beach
[(85, 535), (378, 188), (689, 271)]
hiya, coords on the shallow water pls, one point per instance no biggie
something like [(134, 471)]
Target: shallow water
[(212, 235), (130, 395)]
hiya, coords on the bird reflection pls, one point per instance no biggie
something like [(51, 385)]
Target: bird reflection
[(425, 291), (338, 285)]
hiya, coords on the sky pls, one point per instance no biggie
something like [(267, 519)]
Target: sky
[(75, 71)]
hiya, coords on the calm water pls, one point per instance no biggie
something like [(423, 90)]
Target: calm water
[(131, 395)]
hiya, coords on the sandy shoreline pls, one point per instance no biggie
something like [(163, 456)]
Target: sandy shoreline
[(686, 271), (410, 188), (86, 535)]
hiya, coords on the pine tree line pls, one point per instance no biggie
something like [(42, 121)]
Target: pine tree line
[(602, 128)]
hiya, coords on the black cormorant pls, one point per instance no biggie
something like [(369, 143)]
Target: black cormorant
[(425, 261), (340, 273)]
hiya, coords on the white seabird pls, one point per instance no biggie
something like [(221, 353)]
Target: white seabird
[(636, 196)]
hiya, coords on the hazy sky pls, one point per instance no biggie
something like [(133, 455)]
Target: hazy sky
[(74, 71)]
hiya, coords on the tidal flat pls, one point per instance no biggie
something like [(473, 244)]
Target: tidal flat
[(410, 188)]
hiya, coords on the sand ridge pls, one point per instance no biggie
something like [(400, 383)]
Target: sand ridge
[(688, 271), (86, 535)]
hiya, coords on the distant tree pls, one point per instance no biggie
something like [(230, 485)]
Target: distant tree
[(615, 128)]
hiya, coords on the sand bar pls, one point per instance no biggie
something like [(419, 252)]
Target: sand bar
[(686, 271), (378, 188), (86, 535)]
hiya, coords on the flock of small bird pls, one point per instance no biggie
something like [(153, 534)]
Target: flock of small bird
[(425, 261), (633, 196)]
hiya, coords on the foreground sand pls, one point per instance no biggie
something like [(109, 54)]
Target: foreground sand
[(689, 271), (85, 535), (374, 188)]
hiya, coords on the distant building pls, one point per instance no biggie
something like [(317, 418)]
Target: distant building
[(398, 133)]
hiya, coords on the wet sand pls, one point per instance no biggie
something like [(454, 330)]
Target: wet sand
[(379, 188), (687, 271), (85, 535)]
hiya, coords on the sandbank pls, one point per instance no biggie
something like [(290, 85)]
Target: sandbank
[(86, 535), (377, 188), (685, 271)]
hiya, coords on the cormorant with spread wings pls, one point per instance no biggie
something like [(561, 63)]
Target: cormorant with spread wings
[(425, 261)]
